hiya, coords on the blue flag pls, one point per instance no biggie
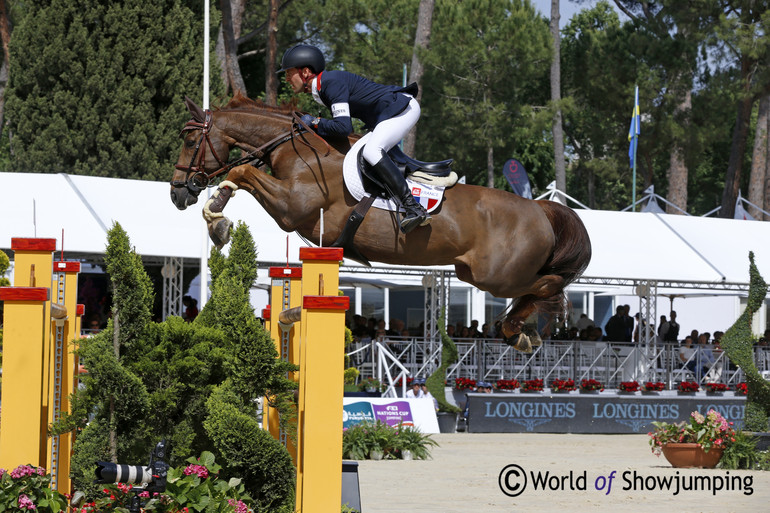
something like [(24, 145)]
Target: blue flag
[(514, 172), (633, 131)]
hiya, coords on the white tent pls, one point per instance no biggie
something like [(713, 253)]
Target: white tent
[(628, 247)]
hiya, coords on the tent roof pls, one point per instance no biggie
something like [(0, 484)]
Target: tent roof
[(677, 251), (673, 249)]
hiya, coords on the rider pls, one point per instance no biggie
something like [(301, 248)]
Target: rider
[(388, 111)]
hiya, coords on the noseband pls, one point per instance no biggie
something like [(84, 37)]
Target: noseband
[(197, 177)]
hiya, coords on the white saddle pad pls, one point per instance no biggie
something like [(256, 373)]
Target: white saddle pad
[(429, 196)]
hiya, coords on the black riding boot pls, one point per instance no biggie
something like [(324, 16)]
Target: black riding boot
[(396, 185)]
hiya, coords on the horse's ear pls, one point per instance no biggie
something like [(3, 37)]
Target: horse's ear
[(197, 112)]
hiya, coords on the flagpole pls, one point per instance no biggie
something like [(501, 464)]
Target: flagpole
[(636, 142), (204, 257)]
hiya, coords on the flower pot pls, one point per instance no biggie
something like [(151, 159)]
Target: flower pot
[(371, 390), (375, 454), (447, 422), (406, 455), (691, 455)]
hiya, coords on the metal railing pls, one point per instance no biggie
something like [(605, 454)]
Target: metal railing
[(607, 362)]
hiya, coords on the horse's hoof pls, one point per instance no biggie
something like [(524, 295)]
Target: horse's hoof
[(219, 231), (520, 342), (524, 344), (512, 340), (531, 331)]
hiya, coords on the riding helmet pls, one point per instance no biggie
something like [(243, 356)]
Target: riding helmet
[(300, 56)]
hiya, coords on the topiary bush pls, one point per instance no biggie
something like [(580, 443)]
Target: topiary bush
[(737, 344)]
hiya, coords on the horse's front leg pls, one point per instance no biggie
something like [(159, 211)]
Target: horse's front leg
[(218, 225)]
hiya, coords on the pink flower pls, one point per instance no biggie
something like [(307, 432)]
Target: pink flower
[(25, 502), (238, 506), (199, 470)]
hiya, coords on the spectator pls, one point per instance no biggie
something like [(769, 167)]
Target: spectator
[(191, 308), (584, 322), (663, 327), (615, 329), (426, 393), (672, 334), (416, 392)]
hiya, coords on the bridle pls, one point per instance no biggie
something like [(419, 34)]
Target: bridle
[(197, 177)]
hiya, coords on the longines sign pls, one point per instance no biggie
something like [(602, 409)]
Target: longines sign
[(571, 413)]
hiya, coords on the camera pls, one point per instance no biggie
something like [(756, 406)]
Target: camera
[(151, 478)]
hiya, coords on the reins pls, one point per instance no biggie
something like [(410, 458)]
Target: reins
[(199, 179)]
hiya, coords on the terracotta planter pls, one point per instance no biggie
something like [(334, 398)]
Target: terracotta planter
[(691, 456)]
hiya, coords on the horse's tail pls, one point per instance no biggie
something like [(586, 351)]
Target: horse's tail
[(570, 257)]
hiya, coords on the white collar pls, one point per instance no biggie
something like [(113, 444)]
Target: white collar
[(314, 91)]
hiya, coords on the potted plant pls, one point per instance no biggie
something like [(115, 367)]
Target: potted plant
[(464, 384), (532, 385), (370, 385), (507, 384), (653, 387), (716, 388), (590, 385), (697, 442), (687, 387), (412, 444), (562, 385), (629, 387), (741, 388)]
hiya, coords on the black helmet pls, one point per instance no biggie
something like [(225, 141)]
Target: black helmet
[(301, 56)]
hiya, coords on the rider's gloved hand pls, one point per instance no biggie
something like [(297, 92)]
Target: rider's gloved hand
[(310, 121)]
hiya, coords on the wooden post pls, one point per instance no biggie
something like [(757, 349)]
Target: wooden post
[(319, 430)]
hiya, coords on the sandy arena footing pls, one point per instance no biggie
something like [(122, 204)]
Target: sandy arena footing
[(615, 473)]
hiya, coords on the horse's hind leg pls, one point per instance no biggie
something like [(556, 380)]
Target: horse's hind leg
[(219, 226), (516, 333)]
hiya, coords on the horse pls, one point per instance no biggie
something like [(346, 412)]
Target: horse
[(502, 243)]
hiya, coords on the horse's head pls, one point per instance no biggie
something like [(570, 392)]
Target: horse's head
[(203, 151)]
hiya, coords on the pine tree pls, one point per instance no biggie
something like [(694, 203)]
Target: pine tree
[(97, 87)]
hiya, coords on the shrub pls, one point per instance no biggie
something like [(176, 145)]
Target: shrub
[(192, 487), (29, 488)]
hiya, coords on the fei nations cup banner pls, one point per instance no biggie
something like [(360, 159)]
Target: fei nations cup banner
[(419, 413)]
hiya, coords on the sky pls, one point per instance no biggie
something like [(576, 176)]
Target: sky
[(566, 7)]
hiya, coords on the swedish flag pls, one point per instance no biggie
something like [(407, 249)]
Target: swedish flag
[(633, 131)]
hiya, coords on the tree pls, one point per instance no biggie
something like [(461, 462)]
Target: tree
[(231, 13), (97, 87), (175, 380), (421, 43), (759, 161), (485, 74), (558, 132)]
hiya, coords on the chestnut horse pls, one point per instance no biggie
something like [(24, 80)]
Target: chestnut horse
[(502, 243)]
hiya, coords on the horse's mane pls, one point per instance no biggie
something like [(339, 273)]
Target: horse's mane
[(242, 102)]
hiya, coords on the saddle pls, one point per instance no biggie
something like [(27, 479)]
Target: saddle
[(410, 166), (434, 175)]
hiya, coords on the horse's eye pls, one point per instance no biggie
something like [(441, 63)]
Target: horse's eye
[(189, 143)]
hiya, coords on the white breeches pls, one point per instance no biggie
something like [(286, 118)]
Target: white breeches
[(388, 133)]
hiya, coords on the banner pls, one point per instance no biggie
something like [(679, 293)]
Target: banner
[(514, 172), (419, 413)]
